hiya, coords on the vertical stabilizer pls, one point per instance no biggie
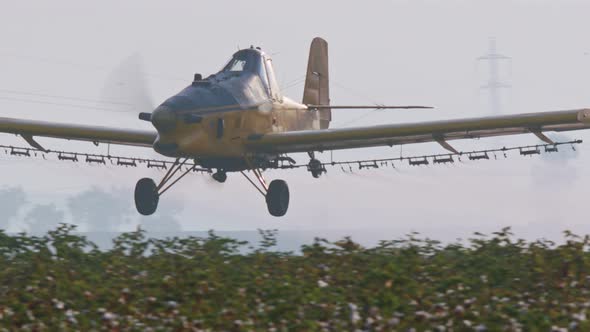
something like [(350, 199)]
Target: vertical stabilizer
[(317, 87)]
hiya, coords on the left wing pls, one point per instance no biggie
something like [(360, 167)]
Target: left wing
[(28, 129), (437, 131)]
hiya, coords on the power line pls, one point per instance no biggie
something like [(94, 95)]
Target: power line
[(293, 82), (22, 100), (360, 95), (27, 93), (64, 62)]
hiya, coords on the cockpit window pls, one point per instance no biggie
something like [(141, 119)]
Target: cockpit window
[(241, 61), (252, 61), (235, 65)]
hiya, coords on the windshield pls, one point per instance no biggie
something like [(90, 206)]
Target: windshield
[(235, 65), (241, 61), (255, 62)]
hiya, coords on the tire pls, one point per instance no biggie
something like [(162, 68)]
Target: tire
[(146, 196), (277, 198)]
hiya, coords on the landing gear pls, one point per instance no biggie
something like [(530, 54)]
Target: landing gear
[(146, 196), (277, 198), (276, 194), (147, 193), (220, 176)]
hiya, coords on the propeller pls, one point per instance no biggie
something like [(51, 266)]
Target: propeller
[(127, 84)]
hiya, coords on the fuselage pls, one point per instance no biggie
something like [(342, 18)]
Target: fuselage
[(211, 119)]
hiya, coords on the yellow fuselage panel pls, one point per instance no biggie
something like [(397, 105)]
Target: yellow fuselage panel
[(223, 134)]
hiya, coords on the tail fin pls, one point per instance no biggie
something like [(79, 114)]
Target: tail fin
[(317, 87)]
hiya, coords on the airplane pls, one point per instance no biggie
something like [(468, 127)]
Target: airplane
[(237, 120)]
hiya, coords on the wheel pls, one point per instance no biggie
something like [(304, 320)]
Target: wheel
[(146, 196), (277, 198), (220, 177)]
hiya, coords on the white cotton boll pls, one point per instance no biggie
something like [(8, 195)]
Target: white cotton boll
[(58, 304), (354, 315), (581, 316), (480, 328), (109, 316), (393, 322)]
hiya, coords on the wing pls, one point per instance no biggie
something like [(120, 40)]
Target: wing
[(438, 131), (29, 129)]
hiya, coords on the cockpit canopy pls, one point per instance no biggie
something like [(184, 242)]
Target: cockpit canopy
[(256, 62), (248, 80)]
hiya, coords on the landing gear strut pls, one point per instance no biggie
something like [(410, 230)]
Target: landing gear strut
[(147, 193), (276, 194)]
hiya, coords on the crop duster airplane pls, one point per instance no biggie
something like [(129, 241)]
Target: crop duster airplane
[(237, 120)]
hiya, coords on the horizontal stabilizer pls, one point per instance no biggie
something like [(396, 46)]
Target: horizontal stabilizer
[(377, 107)]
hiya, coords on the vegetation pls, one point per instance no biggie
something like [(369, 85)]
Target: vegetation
[(86, 208), (61, 281)]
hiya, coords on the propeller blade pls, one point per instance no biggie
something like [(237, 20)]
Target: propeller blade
[(127, 83)]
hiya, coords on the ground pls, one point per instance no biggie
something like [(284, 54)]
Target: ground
[(61, 281)]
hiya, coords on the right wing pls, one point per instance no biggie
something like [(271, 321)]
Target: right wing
[(31, 128), (430, 131)]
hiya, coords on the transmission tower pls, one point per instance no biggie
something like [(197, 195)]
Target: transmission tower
[(494, 83)]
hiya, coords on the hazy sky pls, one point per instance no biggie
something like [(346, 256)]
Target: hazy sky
[(393, 52)]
